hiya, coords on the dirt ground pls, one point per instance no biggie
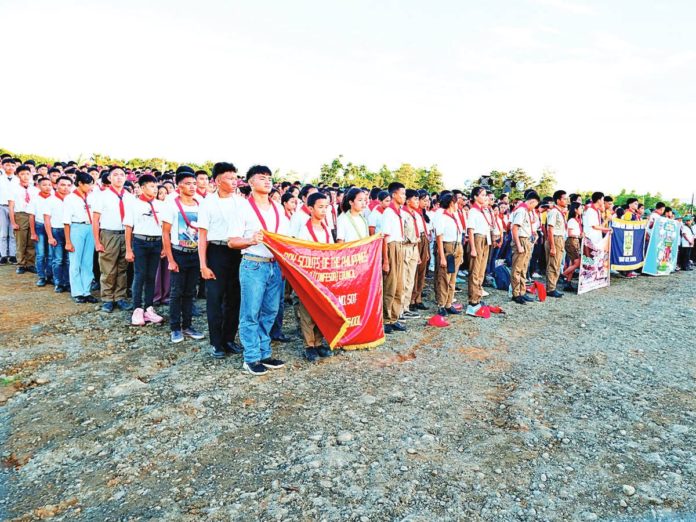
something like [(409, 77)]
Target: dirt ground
[(581, 408)]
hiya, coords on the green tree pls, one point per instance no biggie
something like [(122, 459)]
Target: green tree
[(547, 184)]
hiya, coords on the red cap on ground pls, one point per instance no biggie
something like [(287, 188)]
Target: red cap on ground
[(438, 320)]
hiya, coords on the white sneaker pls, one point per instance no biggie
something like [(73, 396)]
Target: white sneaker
[(484, 293)]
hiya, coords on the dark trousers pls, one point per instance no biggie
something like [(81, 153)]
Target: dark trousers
[(684, 256), (183, 289), (60, 265), (147, 256), (222, 294)]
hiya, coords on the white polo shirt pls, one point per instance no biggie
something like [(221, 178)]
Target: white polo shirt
[(107, 204), (54, 210), (392, 225), (555, 219), (590, 218), (520, 216), (574, 229), (215, 213), (141, 218), (6, 185), (75, 209), (321, 234), (245, 223), (447, 225), (298, 220), (37, 207), (351, 228), (478, 222), (19, 194)]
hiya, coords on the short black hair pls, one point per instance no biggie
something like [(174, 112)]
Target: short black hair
[(395, 186), (67, 178), (608, 199), (383, 194), (82, 178), (630, 201), (43, 178), (305, 190), (447, 199), (312, 199), (222, 167), (146, 178), (53, 170), (181, 176), (532, 194), (258, 169), (596, 196), (22, 168), (659, 205), (185, 169), (411, 193), (474, 192), (558, 195)]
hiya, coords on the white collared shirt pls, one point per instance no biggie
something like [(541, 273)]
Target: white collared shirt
[(555, 219), (447, 226), (245, 223), (107, 204), (520, 217), (297, 221), (6, 185), (351, 228), (38, 207), (74, 210), (54, 210), (18, 194), (478, 222), (321, 235), (215, 213), (141, 219), (392, 225), (590, 219)]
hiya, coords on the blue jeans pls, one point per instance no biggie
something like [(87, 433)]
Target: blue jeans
[(147, 257), (277, 329), (43, 253), (261, 290), (82, 259), (59, 259)]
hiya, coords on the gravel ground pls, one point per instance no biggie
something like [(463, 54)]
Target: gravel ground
[(575, 409)]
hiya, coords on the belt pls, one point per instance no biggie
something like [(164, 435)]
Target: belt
[(184, 249), (147, 238), (113, 231), (573, 237), (4, 205), (218, 243), (410, 244), (80, 223), (258, 259)]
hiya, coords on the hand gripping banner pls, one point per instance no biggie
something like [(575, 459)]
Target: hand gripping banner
[(340, 285), (627, 244)]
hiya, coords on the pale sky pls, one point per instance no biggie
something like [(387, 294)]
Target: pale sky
[(603, 93)]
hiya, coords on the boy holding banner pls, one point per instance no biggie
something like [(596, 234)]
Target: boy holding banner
[(315, 230)]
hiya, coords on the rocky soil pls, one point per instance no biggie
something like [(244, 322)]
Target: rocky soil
[(581, 408)]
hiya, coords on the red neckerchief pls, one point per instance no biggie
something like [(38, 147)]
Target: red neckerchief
[(311, 231), (565, 221), (415, 222), (380, 209), (41, 194), (456, 223), (480, 209), (26, 193), (287, 214), (530, 213), (57, 194), (121, 208), (183, 214), (201, 194), (397, 211), (421, 212), (84, 198), (152, 206), (258, 213), (462, 218), (304, 209)]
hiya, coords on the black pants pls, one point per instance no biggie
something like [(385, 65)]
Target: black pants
[(147, 256), (183, 289), (222, 294), (684, 255)]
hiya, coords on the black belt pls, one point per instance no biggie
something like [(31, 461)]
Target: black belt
[(80, 223), (147, 238), (218, 243), (184, 249), (113, 231)]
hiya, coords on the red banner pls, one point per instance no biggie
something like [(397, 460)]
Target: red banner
[(340, 285)]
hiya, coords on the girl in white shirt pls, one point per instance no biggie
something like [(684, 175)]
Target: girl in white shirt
[(351, 223)]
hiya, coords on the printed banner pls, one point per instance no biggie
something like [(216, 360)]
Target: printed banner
[(663, 248), (340, 285), (627, 244), (594, 265)]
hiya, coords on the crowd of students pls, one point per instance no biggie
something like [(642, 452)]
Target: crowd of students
[(167, 238)]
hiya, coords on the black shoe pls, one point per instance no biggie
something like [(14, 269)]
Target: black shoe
[(311, 354), (21, 270), (90, 299), (124, 305), (4, 260), (108, 307), (324, 351), (555, 293), (94, 286), (442, 311), (59, 289), (388, 329), (520, 300), (217, 352), (80, 299), (420, 306), (528, 298), (41, 282), (230, 347), (399, 327), (49, 280), (453, 311), (31, 269), (568, 287), (282, 338), (12, 260), (272, 364), (255, 368)]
